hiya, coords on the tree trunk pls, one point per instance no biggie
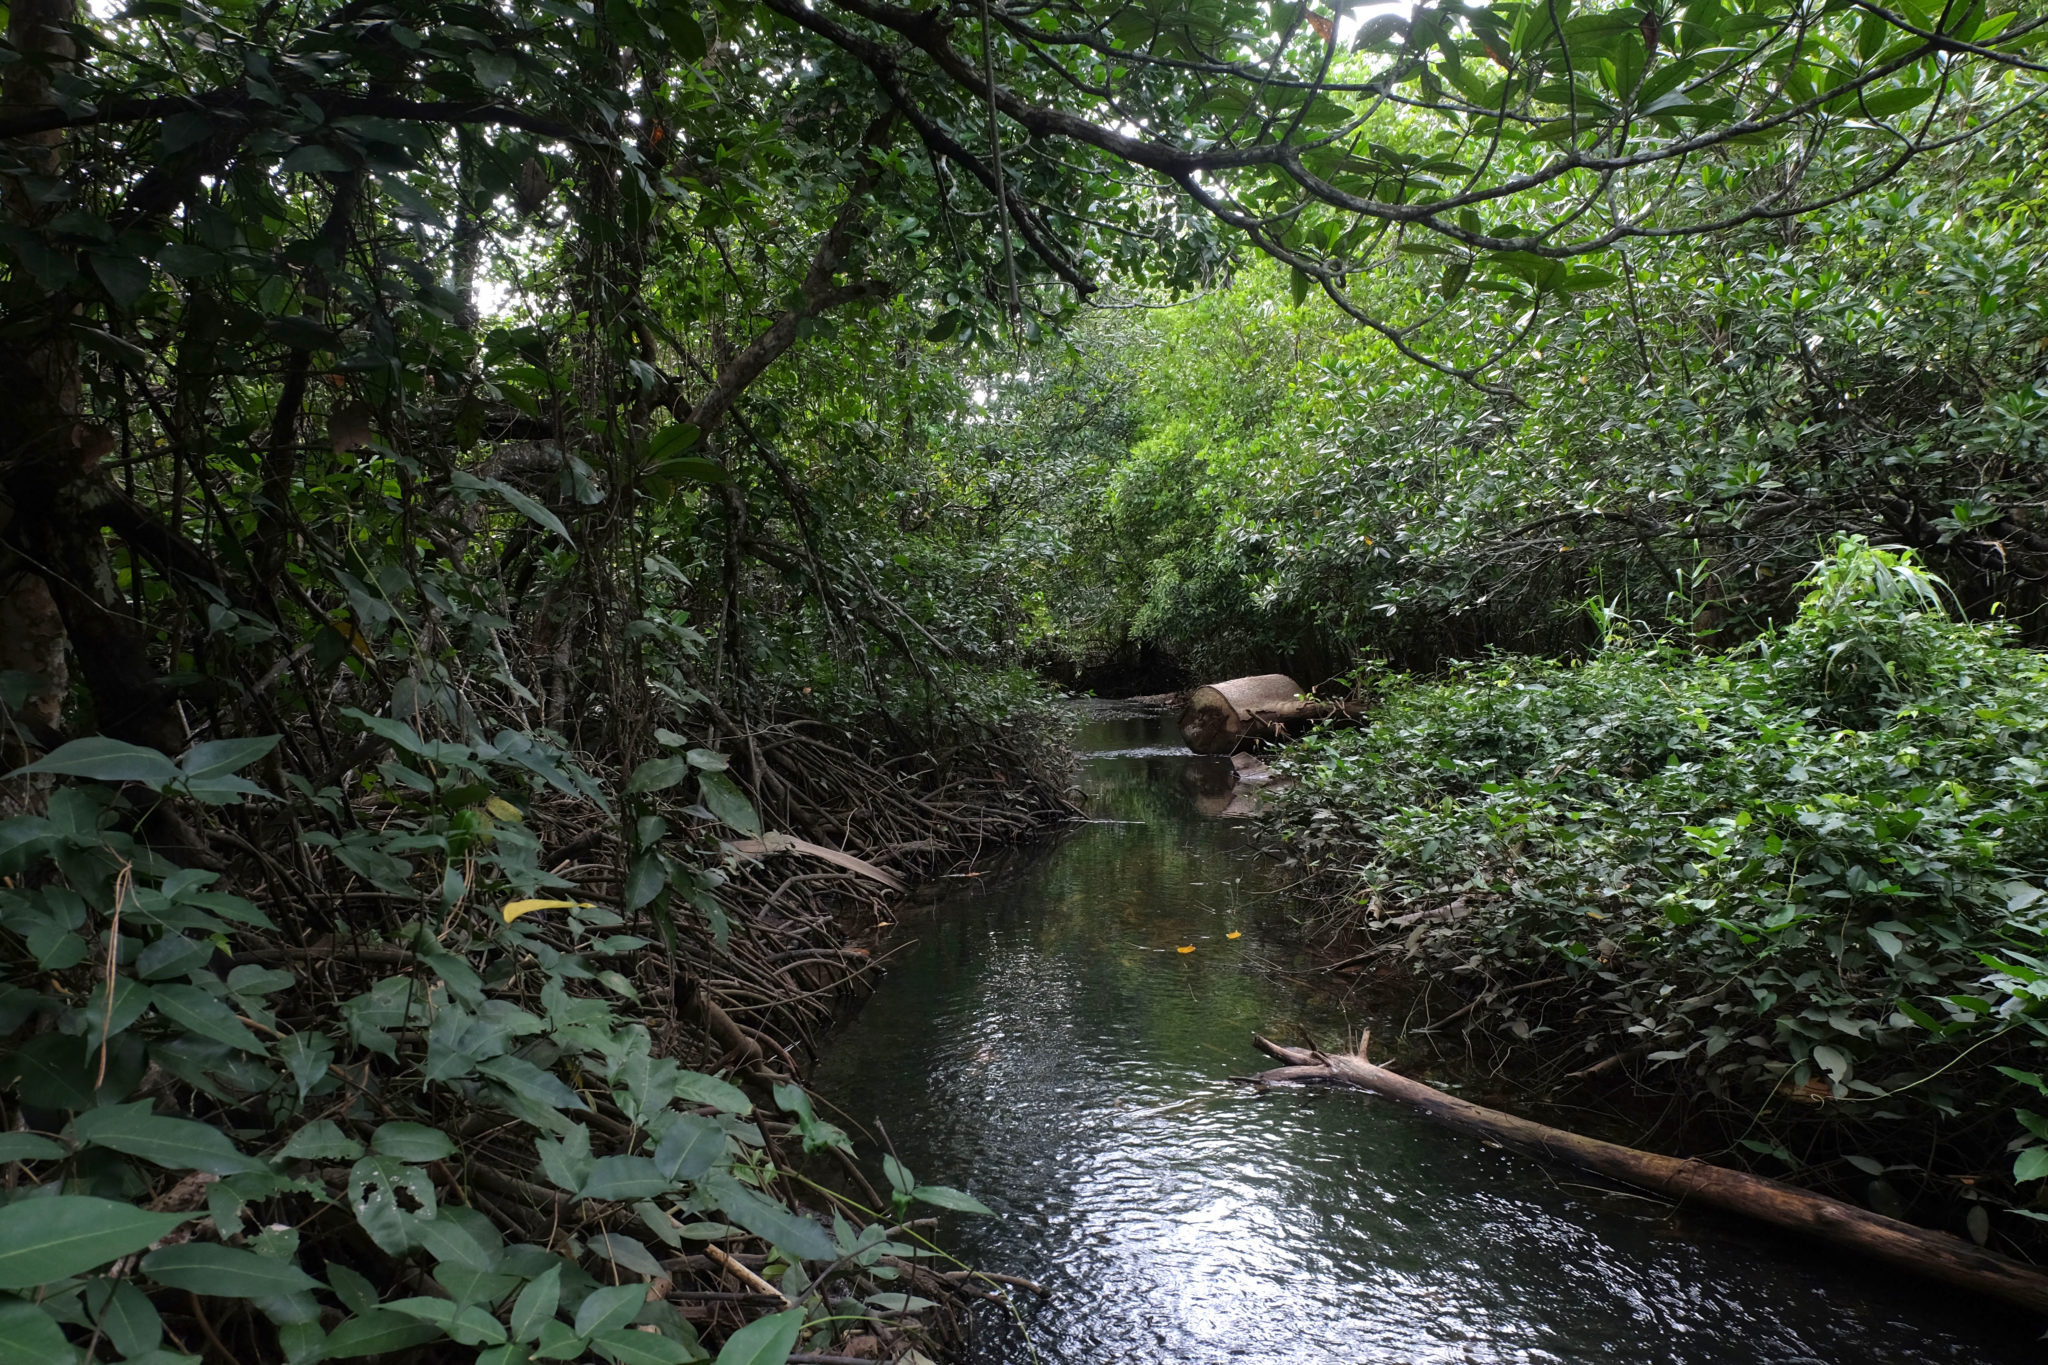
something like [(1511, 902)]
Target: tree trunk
[(1223, 717), (1920, 1250), (54, 563)]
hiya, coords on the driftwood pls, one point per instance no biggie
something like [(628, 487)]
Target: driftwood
[(1221, 718), (1920, 1250)]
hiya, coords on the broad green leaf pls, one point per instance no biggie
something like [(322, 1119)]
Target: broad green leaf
[(609, 1307), (322, 1140), (694, 1087), (945, 1197), (219, 757), (765, 1341), (28, 1334), (524, 1078), (180, 1144), (106, 760), (126, 1315), (536, 1304), (689, 1147), (225, 1272), (411, 1142), (723, 798), (642, 1348), (378, 1333), (656, 774), (202, 1013), (625, 1177), (765, 1218), (49, 1238), (30, 1147), (469, 1326), (2031, 1164), (671, 441), (625, 1252)]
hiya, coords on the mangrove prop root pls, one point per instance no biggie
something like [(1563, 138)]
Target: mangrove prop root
[(1920, 1250)]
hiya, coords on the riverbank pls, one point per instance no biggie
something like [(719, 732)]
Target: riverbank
[(1779, 908), (482, 1043)]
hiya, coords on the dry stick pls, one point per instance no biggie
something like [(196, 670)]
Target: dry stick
[(1922, 1250), (1486, 996), (746, 1276)]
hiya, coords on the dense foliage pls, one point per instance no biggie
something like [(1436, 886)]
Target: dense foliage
[(485, 484), (1806, 878), (1679, 447)]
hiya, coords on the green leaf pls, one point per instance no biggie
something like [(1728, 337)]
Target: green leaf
[(219, 757), (536, 1304), (694, 468), (49, 1238), (126, 1315), (625, 1252), (449, 1243), (763, 1217), (672, 440), (723, 798), (657, 774), (30, 1147), (378, 1333), (642, 1348), (106, 760), (625, 1177), (411, 1142), (322, 1140), (180, 1144), (225, 1272), (610, 1307), (689, 1148), (494, 71), (28, 1334), (123, 275), (519, 503), (694, 1087), (313, 159), (470, 1326), (945, 1197), (765, 1341), (2031, 1164), (645, 880), (200, 1012), (524, 1078)]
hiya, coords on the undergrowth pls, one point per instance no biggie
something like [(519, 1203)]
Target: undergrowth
[(1802, 881)]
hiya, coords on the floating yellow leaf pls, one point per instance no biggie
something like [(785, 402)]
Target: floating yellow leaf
[(518, 908), (503, 809), (1188, 949), (1235, 933)]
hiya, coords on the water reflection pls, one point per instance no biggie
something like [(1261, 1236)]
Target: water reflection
[(1048, 1047)]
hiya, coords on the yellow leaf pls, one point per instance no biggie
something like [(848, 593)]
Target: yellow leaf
[(1235, 933), (1188, 949), (503, 809), (518, 908)]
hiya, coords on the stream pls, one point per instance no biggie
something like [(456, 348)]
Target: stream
[(1042, 1042)]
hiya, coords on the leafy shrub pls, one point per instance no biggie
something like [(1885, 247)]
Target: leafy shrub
[(467, 1125), (1814, 866)]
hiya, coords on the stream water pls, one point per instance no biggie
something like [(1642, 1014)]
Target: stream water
[(1046, 1044)]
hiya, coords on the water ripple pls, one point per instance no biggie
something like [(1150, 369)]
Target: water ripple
[(1046, 1048)]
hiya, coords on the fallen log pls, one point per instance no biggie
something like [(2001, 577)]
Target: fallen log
[(1221, 718), (1923, 1251)]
